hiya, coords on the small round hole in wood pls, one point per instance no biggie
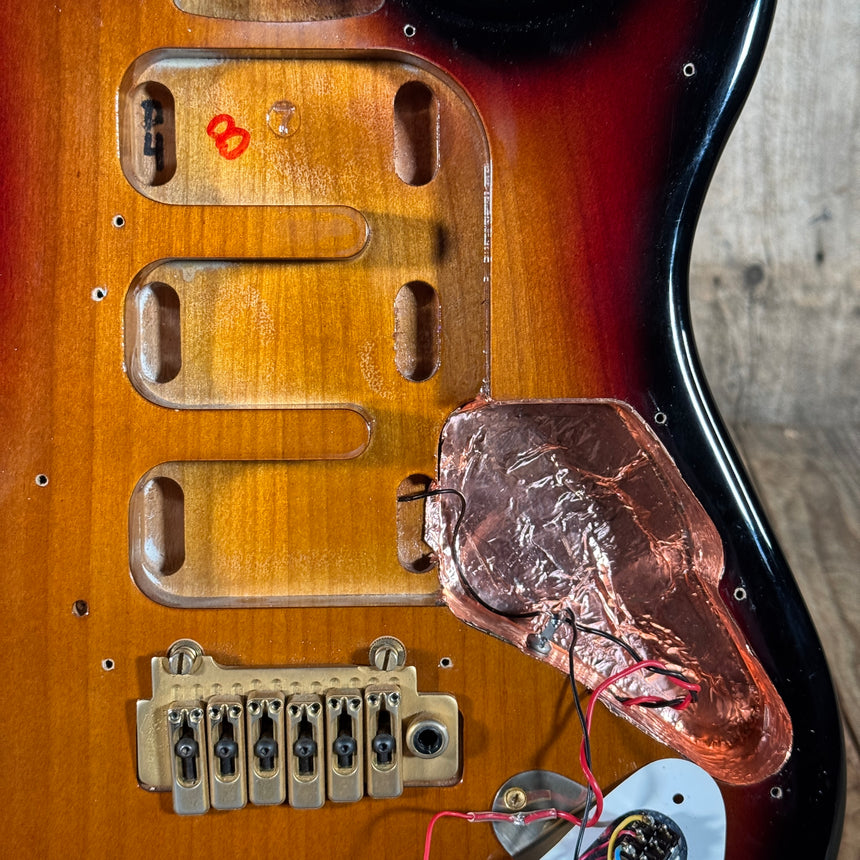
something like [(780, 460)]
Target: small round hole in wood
[(80, 608)]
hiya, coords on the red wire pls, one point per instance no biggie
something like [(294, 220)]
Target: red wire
[(689, 686), (519, 818), (513, 818)]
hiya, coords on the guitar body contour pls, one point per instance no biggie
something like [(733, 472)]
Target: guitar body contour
[(248, 271)]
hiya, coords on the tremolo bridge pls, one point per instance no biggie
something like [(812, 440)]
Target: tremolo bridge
[(224, 736)]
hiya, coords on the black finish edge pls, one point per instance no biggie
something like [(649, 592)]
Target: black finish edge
[(722, 485)]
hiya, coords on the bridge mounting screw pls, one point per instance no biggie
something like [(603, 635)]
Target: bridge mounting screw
[(183, 657), (387, 654)]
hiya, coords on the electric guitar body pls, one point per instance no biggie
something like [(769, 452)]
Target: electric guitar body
[(323, 321)]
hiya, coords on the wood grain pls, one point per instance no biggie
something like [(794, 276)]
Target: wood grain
[(71, 413), (569, 318), (775, 279), (809, 479)]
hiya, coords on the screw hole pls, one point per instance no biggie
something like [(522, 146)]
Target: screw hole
[(99, 293), (42, 480), (661, 418), (108, 665), (689, 70), (118, 221), (446, 663), (409, 31), (80, 608), (776, 792), (678, 798), (740, 593)]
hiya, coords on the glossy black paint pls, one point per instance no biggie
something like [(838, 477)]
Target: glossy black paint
[(799, 812), (807, 815)]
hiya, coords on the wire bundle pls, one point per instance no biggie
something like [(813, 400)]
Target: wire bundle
[(593, 792)]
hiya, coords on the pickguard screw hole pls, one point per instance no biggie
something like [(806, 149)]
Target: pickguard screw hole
[(740, 593), (446, 663), (118, 221), (80, 608), (409, 31), (99, 293), (689, 70), (661, 418), (678, 798), (108, 665), (776, 793), (42, 480)]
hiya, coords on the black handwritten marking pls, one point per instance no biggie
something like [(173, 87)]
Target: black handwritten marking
[(153, 144)]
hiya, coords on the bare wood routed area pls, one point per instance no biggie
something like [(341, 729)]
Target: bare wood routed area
[(397, 332), (276, 10)]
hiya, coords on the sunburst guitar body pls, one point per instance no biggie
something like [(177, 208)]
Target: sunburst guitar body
[(349, 402)]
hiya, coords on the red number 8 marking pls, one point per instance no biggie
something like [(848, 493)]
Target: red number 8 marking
[(230, 133)]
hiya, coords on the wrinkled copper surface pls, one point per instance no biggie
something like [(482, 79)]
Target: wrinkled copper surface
[(576, 505)]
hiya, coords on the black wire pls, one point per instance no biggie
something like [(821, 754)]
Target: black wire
[(575, 627), (586, 741), (455, 551), (669, 673), (596, 631)]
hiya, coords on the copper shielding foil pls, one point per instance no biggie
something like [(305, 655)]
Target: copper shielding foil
[(576, 505)]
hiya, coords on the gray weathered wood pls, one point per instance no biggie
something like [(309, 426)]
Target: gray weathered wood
[(809, 481), (776, 262)]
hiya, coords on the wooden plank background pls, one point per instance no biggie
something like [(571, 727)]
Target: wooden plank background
[(776, 262), (776, 307)]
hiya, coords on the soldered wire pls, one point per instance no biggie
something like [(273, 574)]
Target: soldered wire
[(610, 850), (585, 761), (592, 791), (508, 817)]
